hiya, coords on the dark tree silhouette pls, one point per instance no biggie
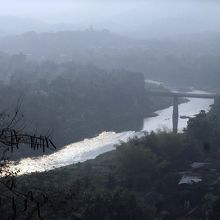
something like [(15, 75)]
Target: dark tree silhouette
[(15, 204)]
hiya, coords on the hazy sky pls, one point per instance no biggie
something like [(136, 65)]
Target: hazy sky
[(83, 9), (124, 15)]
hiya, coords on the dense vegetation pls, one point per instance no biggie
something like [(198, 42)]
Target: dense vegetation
[(140, 179), (74, 102), (61, 84)]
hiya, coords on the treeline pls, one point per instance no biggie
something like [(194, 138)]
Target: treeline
[(72, 101), (182, 61), (140, 179)]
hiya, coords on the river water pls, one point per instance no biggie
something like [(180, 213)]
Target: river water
[(91, 148)]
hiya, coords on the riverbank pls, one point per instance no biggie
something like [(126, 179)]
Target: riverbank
[(157, 176), (189, 109), (106, 141)]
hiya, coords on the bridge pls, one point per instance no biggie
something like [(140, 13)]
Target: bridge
[(176, 96)]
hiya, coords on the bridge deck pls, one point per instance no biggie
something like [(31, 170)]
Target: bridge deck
[(175, 95), (187, 94)]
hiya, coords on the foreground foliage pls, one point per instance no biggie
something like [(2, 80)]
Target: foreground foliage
[(15, 203), (140, 179)]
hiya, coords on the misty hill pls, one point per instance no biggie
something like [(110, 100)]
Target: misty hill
[(13, 25), (64, 43), (185, 60)]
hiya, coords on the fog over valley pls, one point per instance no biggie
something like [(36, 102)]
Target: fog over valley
[(110, 110)]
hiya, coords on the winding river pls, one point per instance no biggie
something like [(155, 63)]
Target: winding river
[(91, 148)]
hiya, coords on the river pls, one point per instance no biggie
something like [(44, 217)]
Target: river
[(91, 148)]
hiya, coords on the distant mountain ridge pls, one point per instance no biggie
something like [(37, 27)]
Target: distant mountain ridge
[(12, 25), (184, 60), (63, 43)]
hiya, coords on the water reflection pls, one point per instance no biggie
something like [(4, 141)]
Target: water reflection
[(91, 148)]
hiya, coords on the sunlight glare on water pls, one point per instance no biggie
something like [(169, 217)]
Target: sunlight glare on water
[(74, 153), (91, 148)]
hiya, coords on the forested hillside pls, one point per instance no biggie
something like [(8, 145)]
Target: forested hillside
[(74, 102), (159, 176), (107, 110)]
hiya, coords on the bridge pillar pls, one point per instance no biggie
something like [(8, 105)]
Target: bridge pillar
[(175, 114)]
